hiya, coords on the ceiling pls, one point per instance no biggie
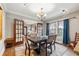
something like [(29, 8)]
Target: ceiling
[(21, 9)]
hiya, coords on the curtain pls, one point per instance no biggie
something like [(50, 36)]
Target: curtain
[(66, 32), (47, 28)]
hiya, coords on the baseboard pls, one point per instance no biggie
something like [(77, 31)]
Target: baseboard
[(3, 49)]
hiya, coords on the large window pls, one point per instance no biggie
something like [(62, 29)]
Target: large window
[(60, 28), (60, 32), (57, 28)]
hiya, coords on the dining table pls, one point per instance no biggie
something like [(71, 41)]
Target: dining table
[(38, 40)]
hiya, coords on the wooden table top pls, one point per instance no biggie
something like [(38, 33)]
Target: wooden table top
[(37, 39)]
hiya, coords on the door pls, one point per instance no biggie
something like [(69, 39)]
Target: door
[(18, 31)]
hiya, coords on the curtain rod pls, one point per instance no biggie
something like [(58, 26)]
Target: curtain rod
[(64, 19), (72, 18)]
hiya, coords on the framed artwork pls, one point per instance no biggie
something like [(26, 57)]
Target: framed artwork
[(0, 24)]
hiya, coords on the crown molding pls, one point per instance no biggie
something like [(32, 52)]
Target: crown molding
[(60, 17), (19, 14)]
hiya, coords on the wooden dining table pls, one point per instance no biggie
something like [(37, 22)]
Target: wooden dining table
[(37, 41)]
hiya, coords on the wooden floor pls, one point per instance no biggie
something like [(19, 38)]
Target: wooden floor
[(20, 51)]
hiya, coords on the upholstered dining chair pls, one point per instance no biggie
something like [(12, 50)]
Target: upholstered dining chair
[(28, 46)]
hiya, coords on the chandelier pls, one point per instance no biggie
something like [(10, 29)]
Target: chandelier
[(40, 10), (41, 14)]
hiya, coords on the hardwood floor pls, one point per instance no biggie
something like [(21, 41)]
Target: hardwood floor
[(20, 51), (17, 51)]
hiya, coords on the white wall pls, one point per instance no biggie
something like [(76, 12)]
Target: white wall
[(2, 47), (9, 26), (74, 27), (10, 21), (73, 23)]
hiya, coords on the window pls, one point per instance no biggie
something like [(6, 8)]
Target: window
[(52, 28), (29, 28), (60, 32), (57, 28), (39, 29), (60, 28)]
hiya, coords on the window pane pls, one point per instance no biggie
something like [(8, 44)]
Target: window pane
[(19, 27), (52, 28), (60, 28)]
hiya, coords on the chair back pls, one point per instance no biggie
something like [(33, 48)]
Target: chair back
[(33, 34), (52, 38), (76, 37), (25, 40)]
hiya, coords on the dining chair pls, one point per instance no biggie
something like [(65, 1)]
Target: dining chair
[(28, 46), (43, 46), (72, 44), (51, 41)]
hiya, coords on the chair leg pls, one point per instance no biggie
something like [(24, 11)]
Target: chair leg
[(51, 48), (46, 48), (39, 48), (25, 50), (29, 51)]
